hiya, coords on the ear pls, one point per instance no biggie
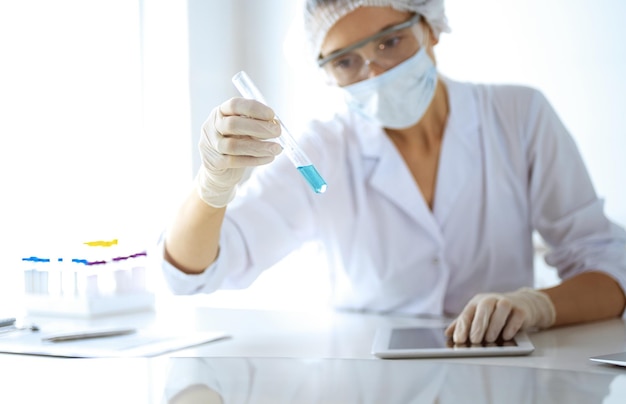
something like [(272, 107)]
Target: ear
[(423, 29), (434, 40)]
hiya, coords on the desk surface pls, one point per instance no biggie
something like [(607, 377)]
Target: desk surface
[(282, 356), (349, 336)]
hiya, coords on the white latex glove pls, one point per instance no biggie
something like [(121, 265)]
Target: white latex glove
[(234, 138), (489, 315)]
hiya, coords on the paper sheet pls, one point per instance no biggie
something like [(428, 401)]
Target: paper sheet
[(139, 344)]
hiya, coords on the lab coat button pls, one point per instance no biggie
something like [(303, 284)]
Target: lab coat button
[(436, 261)]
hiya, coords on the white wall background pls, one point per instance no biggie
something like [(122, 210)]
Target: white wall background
[(101, 104), (94, 126)]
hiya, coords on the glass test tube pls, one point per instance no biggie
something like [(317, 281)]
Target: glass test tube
[(246, 87)]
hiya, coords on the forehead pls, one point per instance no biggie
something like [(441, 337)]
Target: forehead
[(360, 24)]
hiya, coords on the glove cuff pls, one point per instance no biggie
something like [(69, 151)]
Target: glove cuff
[(540, 306), (212, 193)]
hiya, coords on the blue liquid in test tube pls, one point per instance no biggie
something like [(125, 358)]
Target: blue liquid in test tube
[(247, 89)]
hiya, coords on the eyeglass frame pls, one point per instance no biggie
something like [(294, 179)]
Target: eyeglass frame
[(322, 61)]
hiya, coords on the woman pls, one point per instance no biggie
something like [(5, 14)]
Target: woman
[(435, 188)]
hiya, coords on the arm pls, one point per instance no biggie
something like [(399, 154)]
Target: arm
[(233, 138), (586, 248), (589, 296), (192, 241)]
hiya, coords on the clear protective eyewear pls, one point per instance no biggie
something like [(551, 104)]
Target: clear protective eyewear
[(392, 46)]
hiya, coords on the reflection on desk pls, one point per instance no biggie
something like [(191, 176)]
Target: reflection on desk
[(283, 380), (279, 357)]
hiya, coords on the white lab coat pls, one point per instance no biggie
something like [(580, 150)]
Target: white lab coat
[(508, 167)]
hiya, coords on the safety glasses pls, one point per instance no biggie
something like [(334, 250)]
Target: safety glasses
[(389, 47)]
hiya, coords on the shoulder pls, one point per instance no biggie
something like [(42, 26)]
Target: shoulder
[(511, 98), (512, 107)]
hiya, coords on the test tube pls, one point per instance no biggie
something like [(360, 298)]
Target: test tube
[(246, 87)]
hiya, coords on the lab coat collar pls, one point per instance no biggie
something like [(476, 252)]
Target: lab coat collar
[(460, 150), (460, 158), (462, 125), (391, 178)]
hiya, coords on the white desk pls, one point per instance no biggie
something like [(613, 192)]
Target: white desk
[(349, 336), (279, 357)]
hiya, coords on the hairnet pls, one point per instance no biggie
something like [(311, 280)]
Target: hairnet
[(321, 15)]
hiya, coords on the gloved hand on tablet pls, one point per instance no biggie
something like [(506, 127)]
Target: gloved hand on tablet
[(488, 316)]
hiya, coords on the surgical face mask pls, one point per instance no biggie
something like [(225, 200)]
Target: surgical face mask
[(399, 97)]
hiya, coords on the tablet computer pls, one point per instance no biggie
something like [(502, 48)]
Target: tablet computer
[(618, 359), (429, 342)]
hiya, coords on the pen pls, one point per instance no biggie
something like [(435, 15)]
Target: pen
[(6, 322), (12, 328), (88, 335)]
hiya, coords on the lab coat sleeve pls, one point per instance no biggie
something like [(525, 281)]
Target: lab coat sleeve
[(566, 211), (179, 282)]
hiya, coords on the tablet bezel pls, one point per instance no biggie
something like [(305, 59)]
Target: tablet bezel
[(380, 347), (616, 359)]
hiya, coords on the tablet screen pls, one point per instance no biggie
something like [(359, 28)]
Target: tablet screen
[(420, 342), (429, 338)]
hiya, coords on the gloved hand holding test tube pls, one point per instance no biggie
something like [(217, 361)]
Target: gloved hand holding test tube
[(246, 87)]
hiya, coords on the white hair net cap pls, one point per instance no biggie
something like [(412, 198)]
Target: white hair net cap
[(321, 15)]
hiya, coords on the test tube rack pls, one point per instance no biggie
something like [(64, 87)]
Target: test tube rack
[(86, 288), (87, 307)]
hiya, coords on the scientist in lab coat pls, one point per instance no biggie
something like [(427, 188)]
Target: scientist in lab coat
[(435, 188)]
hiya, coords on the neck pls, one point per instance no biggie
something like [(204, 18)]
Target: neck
[(428, 132)]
